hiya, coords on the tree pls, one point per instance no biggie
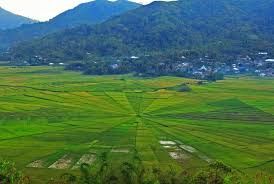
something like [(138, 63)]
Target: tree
[(10, 175), (184, 88)]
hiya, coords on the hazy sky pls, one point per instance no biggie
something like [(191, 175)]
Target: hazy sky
[(43, 9)]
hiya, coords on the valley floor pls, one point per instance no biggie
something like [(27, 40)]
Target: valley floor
[(53, 120)]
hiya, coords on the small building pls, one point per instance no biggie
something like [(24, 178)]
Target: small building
[(236, 70), (114, 66), (134, 57), (269, 60), (203, 68), (262, 75), (262, 53), (259, 64)]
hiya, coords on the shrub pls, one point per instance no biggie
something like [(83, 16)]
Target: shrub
[(184, 88), (10, 175), (134, 172)]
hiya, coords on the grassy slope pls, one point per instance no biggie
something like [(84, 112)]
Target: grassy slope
[(47, 113)]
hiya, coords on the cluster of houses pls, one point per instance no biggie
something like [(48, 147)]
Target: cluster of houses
[(259, 64), (36, 61)]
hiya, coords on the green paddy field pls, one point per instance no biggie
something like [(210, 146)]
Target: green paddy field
[(51, 120)]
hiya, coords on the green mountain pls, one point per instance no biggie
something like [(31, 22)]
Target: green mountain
[(93, 12), (88, 13), (209, 26), (9, 20)]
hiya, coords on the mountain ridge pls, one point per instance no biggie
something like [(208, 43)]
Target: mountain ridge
[(103, 7), (93, 12), (9, 20), (220, 26)]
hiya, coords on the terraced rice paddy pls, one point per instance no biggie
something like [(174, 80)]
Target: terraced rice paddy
[(52, 120)]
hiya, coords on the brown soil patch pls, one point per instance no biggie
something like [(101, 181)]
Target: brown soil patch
[(62, 163), (178, 156), (87, 159), (36, 164)]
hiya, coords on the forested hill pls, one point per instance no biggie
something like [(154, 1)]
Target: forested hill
[(10, 20), (90, 13), (93, 12), (223, 26)]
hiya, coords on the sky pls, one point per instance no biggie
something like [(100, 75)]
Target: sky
[(43, 10)]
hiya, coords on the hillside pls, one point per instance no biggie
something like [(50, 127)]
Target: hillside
[(93, 12), (88, 13), (225, 26), (9, 20)]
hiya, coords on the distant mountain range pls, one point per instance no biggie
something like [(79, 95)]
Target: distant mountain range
[(9, 20), (90, 13), (223, 26)]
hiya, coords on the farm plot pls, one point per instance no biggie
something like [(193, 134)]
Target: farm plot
[(53, 121)]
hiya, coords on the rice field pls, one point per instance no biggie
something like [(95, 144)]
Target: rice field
[(52, 121)]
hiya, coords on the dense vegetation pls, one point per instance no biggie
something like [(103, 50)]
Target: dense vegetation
[(224, 28), (9, 20), (9, 174), (145, 66), (134, 173), (52, 120), (88, 13)]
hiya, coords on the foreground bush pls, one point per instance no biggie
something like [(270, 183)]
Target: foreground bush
[(184, 88), (135, 173), (10, 175)]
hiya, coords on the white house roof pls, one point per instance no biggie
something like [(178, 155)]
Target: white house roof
[(203, 68), (236, 69), (269, 60), (262, 53)]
